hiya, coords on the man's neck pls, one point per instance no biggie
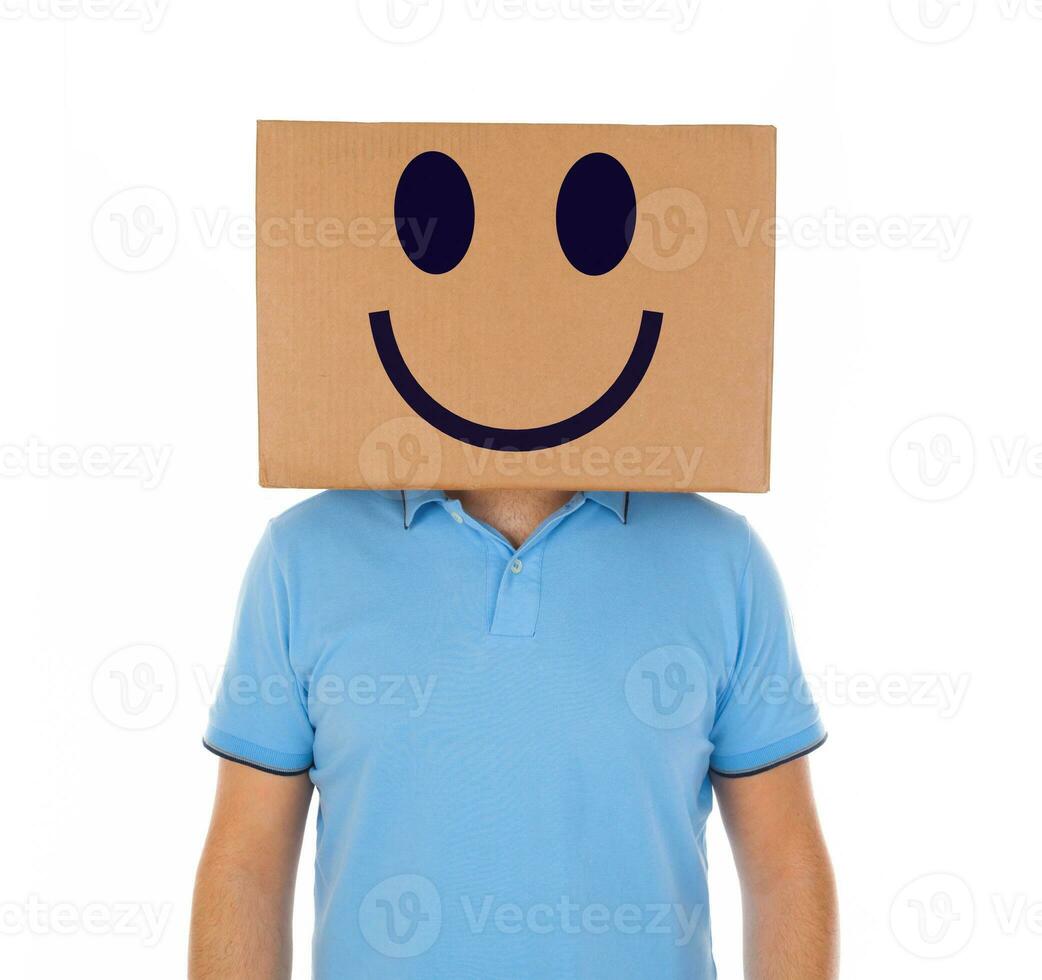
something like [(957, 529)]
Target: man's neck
[(514, 513)]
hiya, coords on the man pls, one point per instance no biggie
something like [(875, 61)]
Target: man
[(517, 708)]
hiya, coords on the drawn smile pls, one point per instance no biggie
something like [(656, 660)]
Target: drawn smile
[(515, 440)]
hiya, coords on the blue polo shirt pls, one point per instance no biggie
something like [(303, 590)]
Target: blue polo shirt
[(512, 747)]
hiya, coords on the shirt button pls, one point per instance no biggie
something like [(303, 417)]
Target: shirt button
[(456, 517), (516, 566)]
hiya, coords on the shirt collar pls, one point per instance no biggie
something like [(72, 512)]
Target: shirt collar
[(410, 501), (617, 501)]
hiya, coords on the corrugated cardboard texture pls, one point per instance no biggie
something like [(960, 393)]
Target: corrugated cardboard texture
[(514, 336)]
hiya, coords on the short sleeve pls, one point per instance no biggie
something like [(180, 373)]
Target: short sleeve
[(259, 715), (766, 715)]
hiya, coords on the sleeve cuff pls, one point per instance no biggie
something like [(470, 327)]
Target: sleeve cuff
[(770, 756), (257, 756)]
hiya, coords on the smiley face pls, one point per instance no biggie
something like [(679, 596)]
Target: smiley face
[(435, 218), (506, 305)]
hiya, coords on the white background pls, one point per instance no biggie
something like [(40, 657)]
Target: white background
[(908, 285)]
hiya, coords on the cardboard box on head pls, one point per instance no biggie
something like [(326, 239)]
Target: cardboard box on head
[(467, 306)]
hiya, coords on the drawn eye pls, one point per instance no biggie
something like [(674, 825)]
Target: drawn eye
[(596, 210), (434, 212)]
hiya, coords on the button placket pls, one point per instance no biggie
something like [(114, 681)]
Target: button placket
[(517, 573), (517, 599)]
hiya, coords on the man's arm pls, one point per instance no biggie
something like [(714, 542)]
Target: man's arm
[(788, 890), (243, 906)]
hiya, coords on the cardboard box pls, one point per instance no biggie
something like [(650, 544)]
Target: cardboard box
[(470, 305)]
